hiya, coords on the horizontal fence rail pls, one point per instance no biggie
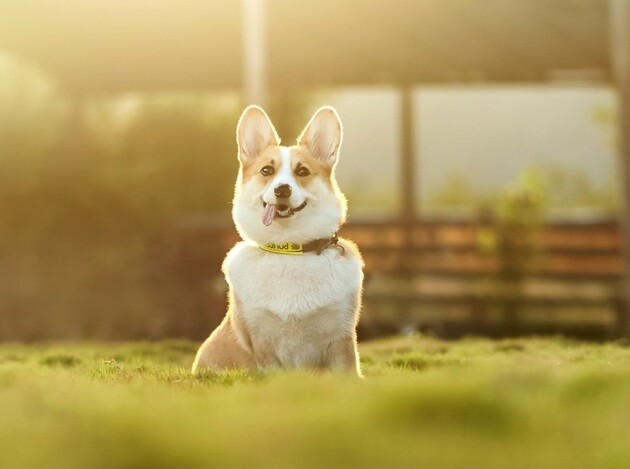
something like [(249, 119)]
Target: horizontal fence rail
[(435, 273)]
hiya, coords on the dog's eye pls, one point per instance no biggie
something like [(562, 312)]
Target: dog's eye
[(267, 170), (302, 171)]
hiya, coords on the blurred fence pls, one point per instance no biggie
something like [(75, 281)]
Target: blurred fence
[(455, 277)]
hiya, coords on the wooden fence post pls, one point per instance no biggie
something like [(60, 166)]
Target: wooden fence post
[(408, 195), (254, 52), (620, 61)]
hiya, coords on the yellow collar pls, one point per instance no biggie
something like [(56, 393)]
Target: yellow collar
[(295, 249)]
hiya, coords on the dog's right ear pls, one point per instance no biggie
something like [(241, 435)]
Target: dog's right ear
[(254, 133), (323, 135)]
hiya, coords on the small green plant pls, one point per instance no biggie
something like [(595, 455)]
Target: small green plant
[(509, 231)]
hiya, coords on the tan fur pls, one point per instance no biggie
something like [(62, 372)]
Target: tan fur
[(222, 350), (271, 156)]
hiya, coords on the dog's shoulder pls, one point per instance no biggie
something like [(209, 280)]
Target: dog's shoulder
[(240, 252), (350, 250)]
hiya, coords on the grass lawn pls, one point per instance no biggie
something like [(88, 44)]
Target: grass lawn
[(423, 403)]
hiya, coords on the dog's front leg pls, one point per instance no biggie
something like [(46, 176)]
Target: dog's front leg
[(344, 355)]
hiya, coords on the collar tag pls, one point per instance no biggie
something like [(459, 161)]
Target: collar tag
[(286, 248)]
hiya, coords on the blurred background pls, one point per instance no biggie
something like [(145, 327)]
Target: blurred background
[(482, 158)]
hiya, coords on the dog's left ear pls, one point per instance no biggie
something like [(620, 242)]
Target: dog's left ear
[(323, 135)]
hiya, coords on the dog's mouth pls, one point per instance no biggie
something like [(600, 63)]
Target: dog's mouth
[(280, 210)]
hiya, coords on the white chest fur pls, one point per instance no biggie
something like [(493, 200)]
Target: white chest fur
[(290, 286)]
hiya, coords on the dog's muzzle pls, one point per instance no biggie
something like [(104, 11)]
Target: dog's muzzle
[(285, 211)]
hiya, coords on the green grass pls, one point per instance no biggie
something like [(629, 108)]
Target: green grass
[(423, 403)]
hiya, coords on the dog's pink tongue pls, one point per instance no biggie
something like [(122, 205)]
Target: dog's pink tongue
[(268, 213)]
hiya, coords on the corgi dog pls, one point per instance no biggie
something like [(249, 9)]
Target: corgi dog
[(294, 287)]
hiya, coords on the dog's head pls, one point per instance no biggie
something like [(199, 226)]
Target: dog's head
[(288, 194)]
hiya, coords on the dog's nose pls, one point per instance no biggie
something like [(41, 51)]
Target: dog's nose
[(282, 190)]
